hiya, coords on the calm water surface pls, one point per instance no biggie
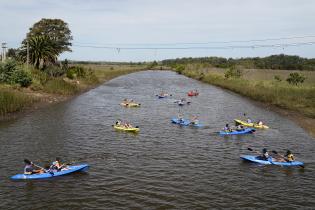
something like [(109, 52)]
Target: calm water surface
[(164, 166)]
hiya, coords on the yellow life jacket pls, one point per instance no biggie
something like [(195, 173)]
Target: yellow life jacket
[(290, 157)]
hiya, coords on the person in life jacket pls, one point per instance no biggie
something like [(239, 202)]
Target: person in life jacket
[(264, 155), (289, 156)]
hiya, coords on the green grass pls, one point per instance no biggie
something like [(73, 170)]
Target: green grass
[(61, 87), (12, 101), (298, 98)]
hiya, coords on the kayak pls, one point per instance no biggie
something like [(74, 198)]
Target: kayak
[(130, 104), (163, 96), (185, 122), (182, 102), (254, 159), (254, 125), (235, 132), (123, 128), (180, 122), (68, 170), (192, 93)]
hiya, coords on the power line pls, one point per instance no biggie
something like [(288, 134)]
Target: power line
[(278, 45), (196, 43)]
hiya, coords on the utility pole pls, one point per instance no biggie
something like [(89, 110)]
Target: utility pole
[(28, 54), (3, 51)]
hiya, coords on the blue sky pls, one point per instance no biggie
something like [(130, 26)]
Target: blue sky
[(148, 23)]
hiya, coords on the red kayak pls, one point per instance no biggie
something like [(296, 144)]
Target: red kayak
[(192, 93)]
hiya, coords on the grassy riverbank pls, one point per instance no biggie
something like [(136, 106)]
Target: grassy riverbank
[(46, 89), (262, 86)]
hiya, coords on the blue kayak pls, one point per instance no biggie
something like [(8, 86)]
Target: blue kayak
[(69, 170), (185, 122), (256, 159), (235, 132)]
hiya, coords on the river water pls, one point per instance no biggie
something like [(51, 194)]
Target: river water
[(163, 167)]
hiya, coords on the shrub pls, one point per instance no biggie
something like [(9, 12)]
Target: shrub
[(6, 70), (201, 76), (233, 73), (179, 69), (295, 78), (277, 78), (54, 71), (21, 77), (12, 73), (76, 71), (71, 74)]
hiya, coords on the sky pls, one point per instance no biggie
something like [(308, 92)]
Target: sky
[(214, 25)]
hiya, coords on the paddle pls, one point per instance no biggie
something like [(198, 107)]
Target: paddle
[(46, 171), (269, 158), (275, 152), (250, 149)]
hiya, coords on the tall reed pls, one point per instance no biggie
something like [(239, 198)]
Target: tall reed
[(12, 101)]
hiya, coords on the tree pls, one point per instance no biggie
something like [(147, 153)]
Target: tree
[(56, 29), (295, 78), (12, 53), (42, 51)]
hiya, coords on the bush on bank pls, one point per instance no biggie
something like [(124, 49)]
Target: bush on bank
[(13, 73)]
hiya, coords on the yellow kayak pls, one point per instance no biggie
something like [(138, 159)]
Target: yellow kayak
[(123, 128), (130, 104), (254, 125)]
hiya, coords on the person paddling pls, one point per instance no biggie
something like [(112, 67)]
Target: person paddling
[(264, 155), (239, 128), (289, 156), (29, 168), (118, 122), (194, 120), (180, 118), (227, 128), (56, 165)]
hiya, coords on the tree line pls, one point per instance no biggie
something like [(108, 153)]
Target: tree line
[(281, 62)]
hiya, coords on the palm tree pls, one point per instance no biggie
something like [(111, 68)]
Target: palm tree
[(42, 51)]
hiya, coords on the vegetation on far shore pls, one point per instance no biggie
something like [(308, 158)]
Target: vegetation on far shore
[(292, 90), (280, 62)]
